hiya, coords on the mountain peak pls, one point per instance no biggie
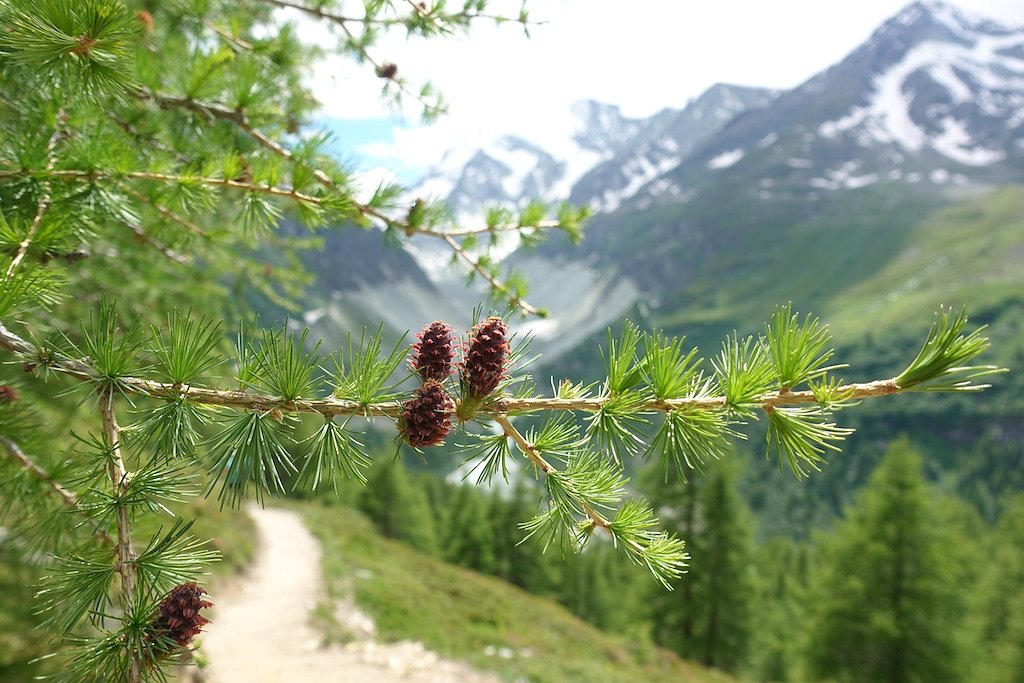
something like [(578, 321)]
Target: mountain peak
[(934, 19)]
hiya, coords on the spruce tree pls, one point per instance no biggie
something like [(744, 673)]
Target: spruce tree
[(150, 153), (709, 617), (399, 508), (468, 538), (885, 596), (998, 603)]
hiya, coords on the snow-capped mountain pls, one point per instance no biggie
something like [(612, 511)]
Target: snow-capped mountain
[(602, 160), (933, 101), (511, 170), (664, 141), (935, 95)]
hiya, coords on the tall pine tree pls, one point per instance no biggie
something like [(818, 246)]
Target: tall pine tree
[(999, 607), (398, 507), (708, 616), (885, 596)]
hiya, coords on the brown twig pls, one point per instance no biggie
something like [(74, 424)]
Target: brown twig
[(495, 283), (68, 497), (125, 550), (164, 211), (45, 199)]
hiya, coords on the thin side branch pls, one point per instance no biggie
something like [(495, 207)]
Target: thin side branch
[(92, 176), (547, 468), (216, 110), (125, 550), (67, 496), (45, 199), (497, 284), (163, 249), (164, 211)]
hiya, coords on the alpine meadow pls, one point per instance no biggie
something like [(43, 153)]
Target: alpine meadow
[(551, 412)]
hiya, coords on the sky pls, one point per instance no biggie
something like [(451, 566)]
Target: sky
[(643, 55)]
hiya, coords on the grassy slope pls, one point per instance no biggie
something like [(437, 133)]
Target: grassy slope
[(968, 254), (459, 613)]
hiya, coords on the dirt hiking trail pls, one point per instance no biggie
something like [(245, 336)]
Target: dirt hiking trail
[(261, 630)]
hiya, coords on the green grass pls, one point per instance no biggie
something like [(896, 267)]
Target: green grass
[(459, 613), (967, 254)]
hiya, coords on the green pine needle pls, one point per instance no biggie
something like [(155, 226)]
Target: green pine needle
[(76, 585), (363, 374), (635, 530), (798, 351), (745, 372), (248, 451), (333, 452), (491, 453), (282, 366), (802, 436), (173, 558), (669, 371), (688, 439), (939, 365), (187, 349)]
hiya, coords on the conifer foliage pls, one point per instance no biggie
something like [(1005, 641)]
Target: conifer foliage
[(148, 152)]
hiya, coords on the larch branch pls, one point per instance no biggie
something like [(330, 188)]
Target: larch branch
[(125, 549), (45, 199), (330, 406), (68, 497)]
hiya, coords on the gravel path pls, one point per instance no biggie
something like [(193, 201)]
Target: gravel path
[(261, 631)]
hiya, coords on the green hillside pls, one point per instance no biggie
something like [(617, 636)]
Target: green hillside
[(459, 613)]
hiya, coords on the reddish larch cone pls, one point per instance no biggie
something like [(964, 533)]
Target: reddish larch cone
[(179, 618), (486, 357), (7, 394), (432, 354), (427, 416)]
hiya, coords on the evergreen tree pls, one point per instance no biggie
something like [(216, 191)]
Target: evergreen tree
[(999, 602), (398, 507), (468, 534), (885, 597), (708, 618), (781, 579)]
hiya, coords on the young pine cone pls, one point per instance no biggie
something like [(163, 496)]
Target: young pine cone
[(7, 394), (427, 417), (433, 353), (486, 358), (179, 619)]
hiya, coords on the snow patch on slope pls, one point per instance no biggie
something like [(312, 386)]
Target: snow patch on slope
[(886, 118), (640, 171), (726, 159)]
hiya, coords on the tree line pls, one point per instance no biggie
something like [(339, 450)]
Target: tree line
[(908, 585)]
